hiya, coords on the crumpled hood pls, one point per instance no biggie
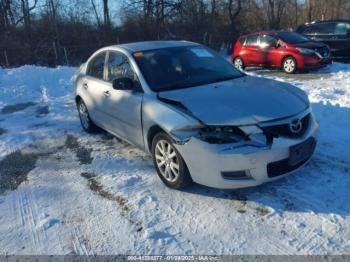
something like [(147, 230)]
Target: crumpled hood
[(241, 101)]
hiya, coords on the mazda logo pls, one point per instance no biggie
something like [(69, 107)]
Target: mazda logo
[(295, 126)]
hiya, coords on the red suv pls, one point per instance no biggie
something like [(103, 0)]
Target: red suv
[(287, 50)]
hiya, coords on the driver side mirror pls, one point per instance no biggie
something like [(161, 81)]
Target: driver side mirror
[(123, 83)]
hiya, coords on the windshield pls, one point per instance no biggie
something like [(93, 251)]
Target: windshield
[(181, 67), (293, 38)]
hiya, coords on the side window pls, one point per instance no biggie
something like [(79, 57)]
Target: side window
[(342, 29), (267, 40), (252, 40), (320, 29), (118, 66), (242, 40), (96, 66)]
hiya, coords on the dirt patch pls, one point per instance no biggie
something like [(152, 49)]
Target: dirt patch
[(2, 131), (43, 124), (95, 186), (14, 169), (9, 109), (42, 111), (262, 211), (83, 154), (242, 211)]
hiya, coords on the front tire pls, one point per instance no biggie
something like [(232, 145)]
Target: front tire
[(289, 65), (170, 166), (85, 119)]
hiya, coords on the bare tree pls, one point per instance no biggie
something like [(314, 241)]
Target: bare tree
[(233, 14), (106, 19), (96, 13), (275, 10)]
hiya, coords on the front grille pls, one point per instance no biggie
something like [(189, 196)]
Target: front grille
[(285, 166), (282, 167), (284, 130), (323, 51)]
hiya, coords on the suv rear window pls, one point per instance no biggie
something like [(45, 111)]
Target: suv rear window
[(252, 40)]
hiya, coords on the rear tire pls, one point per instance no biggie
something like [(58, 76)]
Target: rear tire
[(289, 65), (85, 120), (170, 166), (238, 63)]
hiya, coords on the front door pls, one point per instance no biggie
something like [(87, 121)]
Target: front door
[(123, 107), (268, 51)]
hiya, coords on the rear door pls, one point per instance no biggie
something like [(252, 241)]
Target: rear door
[(252, 54), (93, 87)]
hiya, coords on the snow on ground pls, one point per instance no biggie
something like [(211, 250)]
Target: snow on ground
[(65, 192)]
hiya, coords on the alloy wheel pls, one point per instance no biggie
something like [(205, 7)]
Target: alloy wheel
[(238, 63), (167, 160), (289, 65), (84, 116)]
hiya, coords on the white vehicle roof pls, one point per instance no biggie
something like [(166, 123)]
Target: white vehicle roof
[(150, 45)]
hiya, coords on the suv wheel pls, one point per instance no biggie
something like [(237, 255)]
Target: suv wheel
[(238, 63), (170, 166), (85, 119), (289, 65)]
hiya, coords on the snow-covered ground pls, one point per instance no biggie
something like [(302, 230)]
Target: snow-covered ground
[(65, 192)]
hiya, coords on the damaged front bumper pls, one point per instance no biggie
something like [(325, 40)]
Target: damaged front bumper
[(228, 166)]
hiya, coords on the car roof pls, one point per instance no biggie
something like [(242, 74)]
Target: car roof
[(327, 21), (151, 45), (271, 32)]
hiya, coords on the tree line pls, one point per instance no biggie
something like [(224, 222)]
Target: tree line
[(53, 32)]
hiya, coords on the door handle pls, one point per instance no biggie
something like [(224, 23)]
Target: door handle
[(107, 93), (85, 86)]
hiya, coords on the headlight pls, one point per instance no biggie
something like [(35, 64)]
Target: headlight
[(306, 51), (222, 135)]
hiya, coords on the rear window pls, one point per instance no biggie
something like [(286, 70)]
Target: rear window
[(252, 40)]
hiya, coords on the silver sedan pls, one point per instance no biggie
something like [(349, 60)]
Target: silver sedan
[(201, 119)]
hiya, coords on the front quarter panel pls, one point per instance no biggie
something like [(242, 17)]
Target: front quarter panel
[(167, 117)]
